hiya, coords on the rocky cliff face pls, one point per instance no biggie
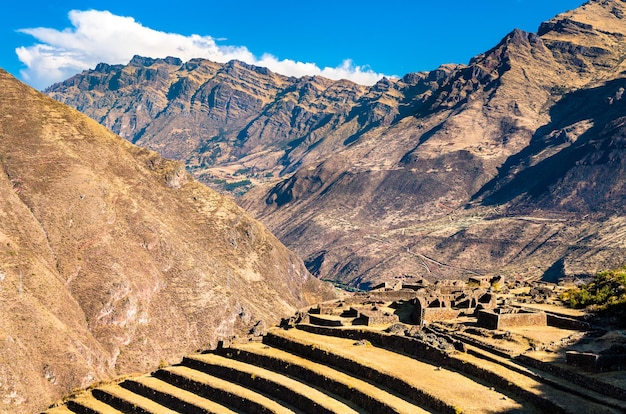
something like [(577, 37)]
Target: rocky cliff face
[(229, 123), (113, 259), (509, 164)]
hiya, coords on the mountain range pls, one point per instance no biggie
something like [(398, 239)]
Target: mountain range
[(512, 164), (114, 260)]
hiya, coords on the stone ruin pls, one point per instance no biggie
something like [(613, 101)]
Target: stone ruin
[(611, 359), (440, 301), (449, 299), (340, 314)]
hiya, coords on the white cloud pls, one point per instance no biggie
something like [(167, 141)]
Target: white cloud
[(100, 36)]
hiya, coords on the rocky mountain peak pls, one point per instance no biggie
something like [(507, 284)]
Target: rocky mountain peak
[(141, 61), (409, 177)]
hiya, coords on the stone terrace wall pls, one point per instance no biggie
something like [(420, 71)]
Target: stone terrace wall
[(320, 380), (422, 350), (314, 353), (574, 377)]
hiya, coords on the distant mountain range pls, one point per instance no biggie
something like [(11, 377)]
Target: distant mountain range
[(512, 164), (113, 259)]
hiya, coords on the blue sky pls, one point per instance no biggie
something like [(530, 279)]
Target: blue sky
[(359, 40)]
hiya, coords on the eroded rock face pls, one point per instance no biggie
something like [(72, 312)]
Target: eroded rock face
[(113, 259), (511, 163)]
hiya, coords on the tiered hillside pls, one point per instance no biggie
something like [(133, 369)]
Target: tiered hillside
[(113, 259), (345, 370), (510, 164)]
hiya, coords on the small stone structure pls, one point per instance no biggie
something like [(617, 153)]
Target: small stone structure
[(323, 309), (502, 318), (449, 299), (370, 318), (593, 362), (337, 314)]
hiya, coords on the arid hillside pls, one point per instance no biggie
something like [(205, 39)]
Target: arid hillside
[(113, 259), (512, 163)]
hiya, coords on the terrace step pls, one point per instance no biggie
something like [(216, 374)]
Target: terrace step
[(369, 397), (560, 390), (86, 403), (415, 379), (61, 409), (174, 397), (128, 401), (223, 392), (297, 393), (518, 382)]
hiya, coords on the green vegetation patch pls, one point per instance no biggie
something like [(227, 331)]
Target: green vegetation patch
[(237, 184), (606, 292)]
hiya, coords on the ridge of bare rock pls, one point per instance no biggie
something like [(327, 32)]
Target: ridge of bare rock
[(510, 163)]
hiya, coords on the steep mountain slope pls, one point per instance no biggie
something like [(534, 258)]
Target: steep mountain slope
[(113, 259), (458, 171), (244, 119), (492, 156)]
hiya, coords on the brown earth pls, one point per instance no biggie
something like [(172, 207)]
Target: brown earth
[(113, 259)]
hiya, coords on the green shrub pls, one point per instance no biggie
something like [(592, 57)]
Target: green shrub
[(232, 186), (606, 290)]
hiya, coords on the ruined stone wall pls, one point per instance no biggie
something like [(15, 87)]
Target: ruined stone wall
[(377, 318), (492, 320), (392, 295), (440, 314), (596, 362), (323, 309), (567, 323), (315, 320), (488, 319), (510, 320), (584, 360)]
